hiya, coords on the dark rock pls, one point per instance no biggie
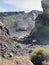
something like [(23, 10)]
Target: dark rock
[(3, 29), (45, 6), (41, 30)]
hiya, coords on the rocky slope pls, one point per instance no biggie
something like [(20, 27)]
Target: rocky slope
[(13, 26), (19, 24), (20, 31)]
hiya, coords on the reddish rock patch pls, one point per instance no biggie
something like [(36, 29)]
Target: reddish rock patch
[(21, 60)]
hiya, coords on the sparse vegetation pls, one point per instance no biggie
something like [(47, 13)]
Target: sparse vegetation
[(34, 41), (40, 56), (7, 55), (45, 63), (19, 46), (14, 38)]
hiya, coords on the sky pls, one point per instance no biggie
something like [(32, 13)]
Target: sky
[(20, 5)]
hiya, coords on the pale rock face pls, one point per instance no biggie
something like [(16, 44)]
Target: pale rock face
[(45, 6)]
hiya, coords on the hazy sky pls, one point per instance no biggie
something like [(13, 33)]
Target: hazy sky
[(20, 5)]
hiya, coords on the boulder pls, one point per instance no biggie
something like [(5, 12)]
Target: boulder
[(45, 6)]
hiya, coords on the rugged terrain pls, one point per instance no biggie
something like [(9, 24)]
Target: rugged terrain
[(19, 24), (15, 28), (21, 31)]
